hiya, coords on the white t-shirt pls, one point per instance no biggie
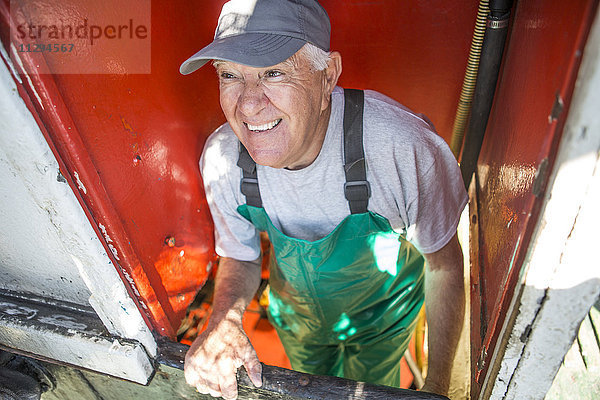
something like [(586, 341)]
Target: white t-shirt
[(415, 182)]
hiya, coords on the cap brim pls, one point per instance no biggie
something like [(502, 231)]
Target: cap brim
[(252, 49)]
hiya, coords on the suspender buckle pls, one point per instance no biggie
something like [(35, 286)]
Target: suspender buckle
[(357, 190), (249, 187)]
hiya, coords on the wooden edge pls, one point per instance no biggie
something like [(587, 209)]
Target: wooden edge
[(281, 383)]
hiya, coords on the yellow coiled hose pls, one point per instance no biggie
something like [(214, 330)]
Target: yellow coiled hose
[(468, 87)]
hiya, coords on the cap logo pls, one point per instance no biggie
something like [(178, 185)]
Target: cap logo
[(232, 24), (234, 17)]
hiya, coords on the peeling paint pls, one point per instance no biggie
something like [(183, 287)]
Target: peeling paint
[(114, 251), (129, 129), (64, 321), (108, 239), (79, 183), (557, 108), (123, 308), (13, 309), (126, 125), (32, 87), (8, 62), (131, 282), (115, 347), (104, 233)]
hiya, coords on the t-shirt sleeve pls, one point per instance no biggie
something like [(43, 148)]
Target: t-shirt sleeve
[(235, 236), (435, 211)]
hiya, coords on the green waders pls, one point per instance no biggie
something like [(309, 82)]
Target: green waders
[(346, 304)]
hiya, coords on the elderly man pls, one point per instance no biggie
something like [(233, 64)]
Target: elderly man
[(359, 196)]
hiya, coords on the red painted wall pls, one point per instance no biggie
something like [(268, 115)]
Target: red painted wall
[(413, 51), (541, 63), (135, 139)]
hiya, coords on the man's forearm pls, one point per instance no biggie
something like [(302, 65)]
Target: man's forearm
[(235, 285), (445, 302), (216, 354)]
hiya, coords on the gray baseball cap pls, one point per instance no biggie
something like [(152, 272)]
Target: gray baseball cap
[(261, 33)]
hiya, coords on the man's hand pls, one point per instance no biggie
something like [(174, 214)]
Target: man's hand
[(214, 357), (212, 361)]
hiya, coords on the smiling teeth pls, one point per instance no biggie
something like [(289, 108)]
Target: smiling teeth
[(264, 127)]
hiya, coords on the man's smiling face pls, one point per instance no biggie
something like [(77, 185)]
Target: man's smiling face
[(279, 113)]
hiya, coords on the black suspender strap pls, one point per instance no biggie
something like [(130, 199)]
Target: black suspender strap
[(356, 189), (249, 183)]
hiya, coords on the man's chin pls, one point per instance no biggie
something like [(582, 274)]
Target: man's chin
[(266, 159)]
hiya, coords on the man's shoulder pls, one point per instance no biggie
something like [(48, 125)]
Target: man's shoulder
[(222, 143), (220, 150), (383, 110), (391, 126)]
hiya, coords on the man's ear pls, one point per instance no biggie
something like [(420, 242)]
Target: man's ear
[(331, 75)]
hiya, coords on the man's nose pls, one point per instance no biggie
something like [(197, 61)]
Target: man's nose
[(253, 99)]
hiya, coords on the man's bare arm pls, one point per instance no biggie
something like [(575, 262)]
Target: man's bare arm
[(445, 304), (214, 357)]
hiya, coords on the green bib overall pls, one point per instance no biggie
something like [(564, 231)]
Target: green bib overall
[(345, 304)]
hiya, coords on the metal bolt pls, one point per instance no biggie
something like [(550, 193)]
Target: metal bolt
[(303, 381), (170, 241)]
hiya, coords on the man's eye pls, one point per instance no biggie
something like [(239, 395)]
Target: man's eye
[(226, 75), (273, 74)]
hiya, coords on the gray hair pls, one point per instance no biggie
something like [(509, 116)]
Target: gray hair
[(317, 57)]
